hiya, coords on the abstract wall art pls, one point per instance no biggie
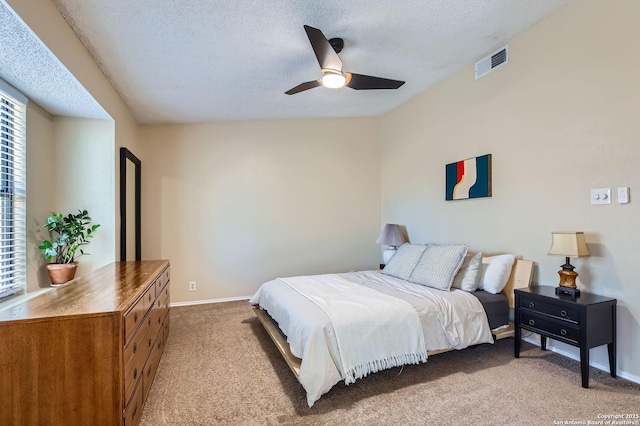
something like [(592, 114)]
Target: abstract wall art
[(469, 178)]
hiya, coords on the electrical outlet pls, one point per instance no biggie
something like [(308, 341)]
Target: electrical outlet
[(192, 286)]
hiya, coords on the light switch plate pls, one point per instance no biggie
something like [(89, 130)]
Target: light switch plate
[(623, 195), (601, 196)]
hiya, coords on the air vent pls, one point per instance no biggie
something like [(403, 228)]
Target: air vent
[(491, 62)]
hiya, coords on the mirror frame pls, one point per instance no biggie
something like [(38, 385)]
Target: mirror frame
[(126, 155)]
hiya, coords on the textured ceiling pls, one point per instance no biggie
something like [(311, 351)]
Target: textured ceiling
[(177, 61), (28, 65)]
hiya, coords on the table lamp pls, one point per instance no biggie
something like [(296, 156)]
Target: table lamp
[(568, 244), (392, 237)]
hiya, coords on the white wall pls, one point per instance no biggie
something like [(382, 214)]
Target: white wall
[(84, 168), (560, 119), (40, 193), (233, 205)]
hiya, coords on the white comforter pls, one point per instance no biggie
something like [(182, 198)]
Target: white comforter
[(365, 324), (450, 320)]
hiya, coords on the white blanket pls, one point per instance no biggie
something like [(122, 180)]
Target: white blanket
[(366, 324), (450, 320)]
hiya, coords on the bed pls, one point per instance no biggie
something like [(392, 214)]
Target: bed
[(342, 327)]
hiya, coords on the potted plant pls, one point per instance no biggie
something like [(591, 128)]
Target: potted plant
[(69, 233)]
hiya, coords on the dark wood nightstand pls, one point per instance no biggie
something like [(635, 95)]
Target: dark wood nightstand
[(586, 321)]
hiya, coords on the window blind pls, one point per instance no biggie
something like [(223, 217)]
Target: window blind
[(13, 252)]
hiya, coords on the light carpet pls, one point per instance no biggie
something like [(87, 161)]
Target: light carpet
[(221, 368)]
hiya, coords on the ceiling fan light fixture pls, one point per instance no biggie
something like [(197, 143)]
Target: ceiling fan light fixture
[(333, 79)]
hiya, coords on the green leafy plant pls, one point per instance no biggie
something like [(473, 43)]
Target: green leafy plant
[(69, 233)]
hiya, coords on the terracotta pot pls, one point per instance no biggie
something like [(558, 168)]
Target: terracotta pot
[(61, 273)]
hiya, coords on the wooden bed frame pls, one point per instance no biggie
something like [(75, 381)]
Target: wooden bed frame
[(521, 276)]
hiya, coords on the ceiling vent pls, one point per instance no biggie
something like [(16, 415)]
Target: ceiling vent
[(491, 62)]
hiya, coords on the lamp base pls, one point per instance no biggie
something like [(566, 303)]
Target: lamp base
[(388, 254), (567, 283), (567, 276), (573, 292)]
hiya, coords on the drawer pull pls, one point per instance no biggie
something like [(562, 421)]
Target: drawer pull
[(531, 304), (532, 322), (135, 317), (149, 372), (135, 373), (149, 297), (563, 332), (149, 322), (159, 344), (135, 410), (563, 313), (135, 347)]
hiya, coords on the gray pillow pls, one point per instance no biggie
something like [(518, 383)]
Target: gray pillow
[(404, 260), (438, 265), (468, 276)]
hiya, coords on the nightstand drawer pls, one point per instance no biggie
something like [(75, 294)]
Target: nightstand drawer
[(557, 311), (561, 331)]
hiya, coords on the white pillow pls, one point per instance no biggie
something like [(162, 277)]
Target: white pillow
[(404, 260), (467, 277), (438, 265), (495, 272)]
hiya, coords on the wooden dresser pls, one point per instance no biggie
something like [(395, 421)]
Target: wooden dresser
[(85, 353)]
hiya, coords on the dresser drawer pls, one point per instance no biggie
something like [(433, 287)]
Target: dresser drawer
[(158, 284), (163, 280), (153, 362), (164, 292), (163, 299), (132, 319), (558, 330), (160, 310), (167, 322), (149, 297), (136, 363), (137, 351), (134, 410), (155, 322), (166, 276), (134, 316), (550, 309)]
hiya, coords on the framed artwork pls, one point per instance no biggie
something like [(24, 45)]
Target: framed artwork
[(469, 178)]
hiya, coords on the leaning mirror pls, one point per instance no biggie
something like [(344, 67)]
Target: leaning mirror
[(130, 229)]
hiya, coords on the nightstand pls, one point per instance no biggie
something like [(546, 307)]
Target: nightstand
[(586, 321)]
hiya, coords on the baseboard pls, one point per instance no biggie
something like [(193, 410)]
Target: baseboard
[(205, 302), (576, 357)]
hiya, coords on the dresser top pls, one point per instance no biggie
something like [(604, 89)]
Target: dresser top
[(112, 288), (584, 298)]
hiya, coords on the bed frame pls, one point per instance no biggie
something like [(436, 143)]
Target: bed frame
[(521, 276)]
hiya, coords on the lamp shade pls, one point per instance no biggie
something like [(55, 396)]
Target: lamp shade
[(568, 244), (391, 236)]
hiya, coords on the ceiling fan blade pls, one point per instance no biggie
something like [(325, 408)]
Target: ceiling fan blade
[(327, 57), (367, 82), (304, 86)]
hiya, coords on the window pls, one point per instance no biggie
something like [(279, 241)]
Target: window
[(13, 251)]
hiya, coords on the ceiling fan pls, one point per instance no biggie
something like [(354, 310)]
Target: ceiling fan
[(331, 66)]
